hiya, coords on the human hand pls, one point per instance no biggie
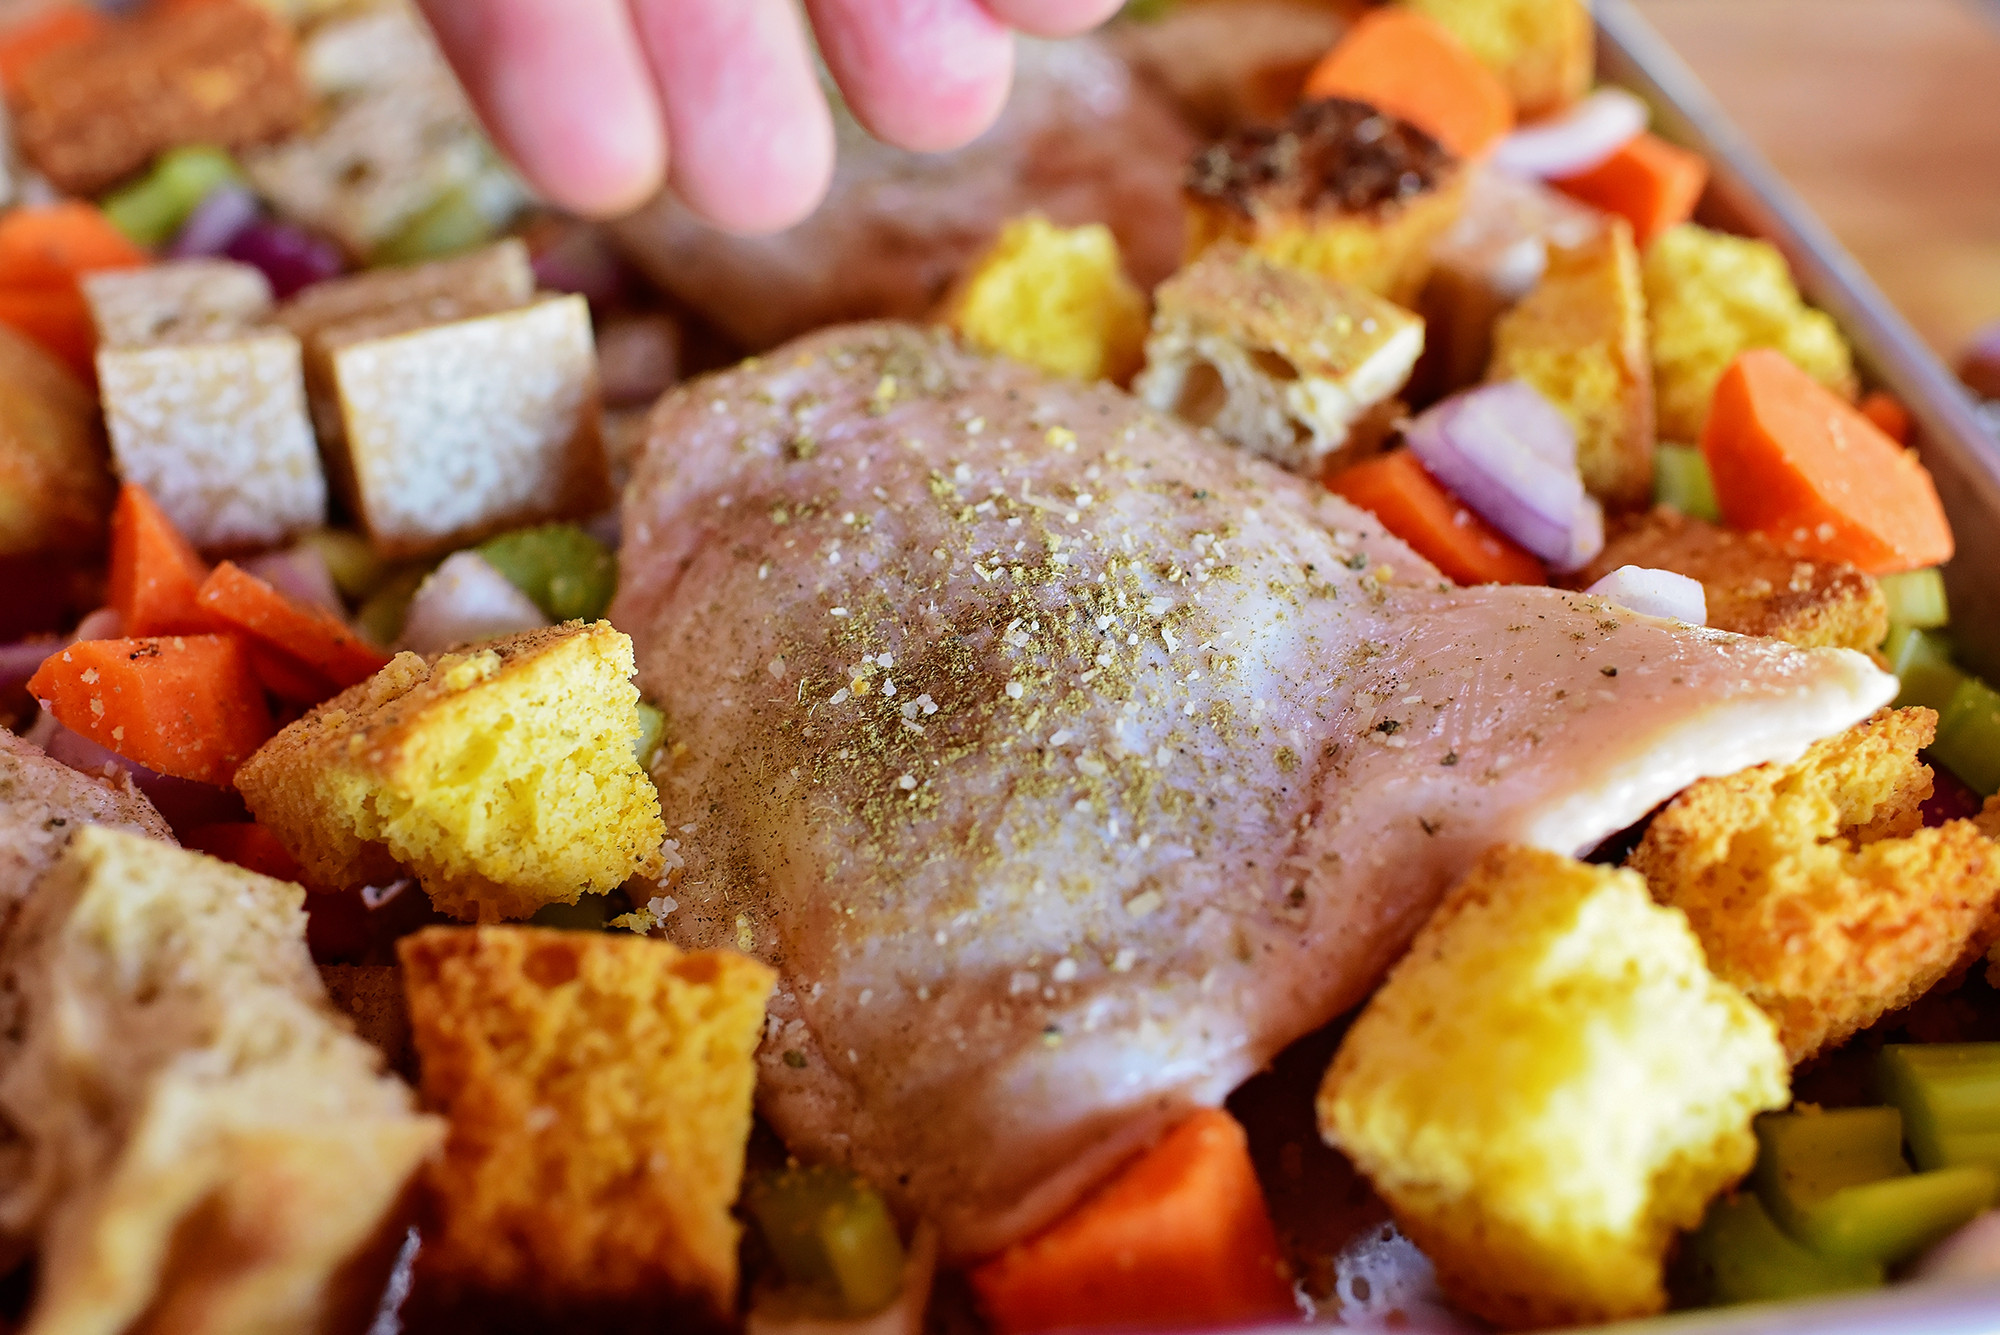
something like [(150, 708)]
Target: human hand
[(599, 102)]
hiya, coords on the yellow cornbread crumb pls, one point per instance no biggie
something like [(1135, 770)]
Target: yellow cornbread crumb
[(1541, 49), (501, 776), (1056, 298), (1549, 1086), (1814, 887), (1710, 297), (598, 1090)]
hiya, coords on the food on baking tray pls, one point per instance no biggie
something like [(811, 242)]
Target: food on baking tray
[(977, 769)]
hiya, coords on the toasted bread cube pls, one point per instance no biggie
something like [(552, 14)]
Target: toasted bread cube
[(206, 403), (208, 1145), (43, 802), (55, 476), (1814, 886), (1053, 297), (498, 277), (1338, 188), (1753, 588), (598, 1088), (1543, 50), (371, 995), (1580, 338), (1549, 1086), (89, 114), (1711, 297), (501, 776), (1281, 361)]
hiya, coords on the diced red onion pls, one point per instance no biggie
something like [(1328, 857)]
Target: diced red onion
[(581, 260), (466, 600), (183, 802), (1980, 367), (1575, 141), (1655, 593), (291, 257), (216, 222), (300, 573), (1971, 1253), (103, 624), (1510, 456), (20, 660)]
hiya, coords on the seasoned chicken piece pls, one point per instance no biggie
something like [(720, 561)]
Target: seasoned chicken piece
[(1232, 63), (1068, 764)]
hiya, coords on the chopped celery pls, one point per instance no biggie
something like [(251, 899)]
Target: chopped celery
[(1968, 736), (152, 208), (1681, 479), (355, 568), (1894, 1219), (1740, 1256), (831, 1235), (1949, 1094), (380, 618), (452, 222), (652, 727), (1917, 599), (566, 572), (1921, 660), (590, 913)]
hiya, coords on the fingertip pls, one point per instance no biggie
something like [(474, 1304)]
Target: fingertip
[(769, 187), (1053, 18), (925, 75)]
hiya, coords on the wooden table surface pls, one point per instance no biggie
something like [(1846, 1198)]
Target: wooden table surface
[(1885, 115)]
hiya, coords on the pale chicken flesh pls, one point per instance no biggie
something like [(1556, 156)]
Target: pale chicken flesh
[(1068, 765)]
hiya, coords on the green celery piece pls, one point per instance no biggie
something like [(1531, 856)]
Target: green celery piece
[(451, 223), (1917, 599), (1921, 660), (1949, 1094), (831, 1235), (152, 209), (1740, 1256), (652, 727), (566, 572), (1892, 1220), (590, 913), (1146, 11), (355, 568), (380, 618), (1681, 479), (1803, 1158), (1968, 736)]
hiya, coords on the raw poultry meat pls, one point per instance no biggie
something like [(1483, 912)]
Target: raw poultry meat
[(1069, 765)]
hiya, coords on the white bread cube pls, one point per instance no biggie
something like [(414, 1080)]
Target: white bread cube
[(43, 802)]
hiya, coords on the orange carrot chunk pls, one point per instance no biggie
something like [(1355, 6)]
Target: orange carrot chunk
[(155, 572), (1886, 411), (245, 843), (51, 246), (315, 639), (1413, 67), (1795, 462), (188, 706), (1649, 182), (1181, 1237), (1411, 505), (24, 43)]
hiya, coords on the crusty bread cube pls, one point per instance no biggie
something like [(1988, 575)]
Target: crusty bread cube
[(1548, 1087), (1054, 297), (43, 802), (1580, 338), (598, 1087), (498, 277), (1543, 50), (1753, 588), (1283, 362), (501, 776), (1338, 188), (1814, 886), (1710, 297), (206, 402), (55, 476), (207, 1145)]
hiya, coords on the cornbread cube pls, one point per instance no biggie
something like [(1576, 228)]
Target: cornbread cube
[(207, 1145), (598, 1088), (1814, 886), (501, 776), (206, 401), (55, 476), (1543, 50), (1056, 298), (1338, 188), (1753, 588), (90, 114), (43, 802), (1281, 361), (1710, 297), (1580, 338), (1548, 1087)]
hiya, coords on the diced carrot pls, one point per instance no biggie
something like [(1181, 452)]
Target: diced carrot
[(58, 320), (1886, 411), (1180, 1237), (155, 573), (50, 246), (286, 677), (1413, 506), (188, 706), (1795, 462), (245, 843), (1650, 183), (24, 43), (1411, 66), (315, 638)]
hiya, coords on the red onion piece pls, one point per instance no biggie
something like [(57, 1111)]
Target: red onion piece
[(1655, 593), (1576, 140), (1510, 456), (216, 222), (19, 661), (291, 257), (183, 802), (466, 600), (301, 574), (581, 261), (103, 624)]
